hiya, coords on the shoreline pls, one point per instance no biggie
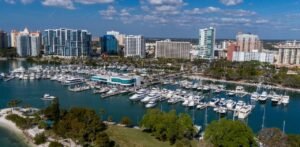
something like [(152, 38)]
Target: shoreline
[(10, 126)]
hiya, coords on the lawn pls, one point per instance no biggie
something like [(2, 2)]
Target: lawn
[(127, 137)]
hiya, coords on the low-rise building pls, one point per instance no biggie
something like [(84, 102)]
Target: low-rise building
[(118, 80)]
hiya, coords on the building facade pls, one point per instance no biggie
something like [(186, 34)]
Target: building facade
[(170, 49), (231, 47), (120, 37), (289, 53), (254, 56), (13, 38), (24, 44), (67, 42), (3, 40), (109, 45), (118, 80), (134, 46), (207, 39), (28, 43), (248, 42)]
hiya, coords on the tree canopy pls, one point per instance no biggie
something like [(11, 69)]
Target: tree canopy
[(229, 133), (80, 124), (168, 125)]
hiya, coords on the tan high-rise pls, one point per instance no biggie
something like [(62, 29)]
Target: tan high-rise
[(248, 42)]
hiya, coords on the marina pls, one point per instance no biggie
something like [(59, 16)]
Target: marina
[(218, 99)]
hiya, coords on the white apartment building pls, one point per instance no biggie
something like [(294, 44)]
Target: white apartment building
[(289, 53), (253, 56), (134, 46), (170, 49)]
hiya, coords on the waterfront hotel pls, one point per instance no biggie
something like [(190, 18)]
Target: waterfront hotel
[(67, 42), (118, 80)]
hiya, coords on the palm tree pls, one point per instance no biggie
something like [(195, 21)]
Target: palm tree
[(13, 103)]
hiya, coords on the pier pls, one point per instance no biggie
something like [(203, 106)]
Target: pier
[(199, 77)]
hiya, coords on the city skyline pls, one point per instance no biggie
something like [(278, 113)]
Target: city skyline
[(156, 18)]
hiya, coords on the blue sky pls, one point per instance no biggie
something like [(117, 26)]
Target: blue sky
[(270, 19)]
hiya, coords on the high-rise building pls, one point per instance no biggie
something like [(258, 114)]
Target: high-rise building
[(3, 39), (24, 43), (13, 38), (289, 53), (207, 38), (170, 49), (248, 42), (109, 45), (67, 42), (120, 37), (35, 39), (134, 46)]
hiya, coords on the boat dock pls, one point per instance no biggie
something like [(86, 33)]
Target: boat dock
[(8, 78), (106, 95)]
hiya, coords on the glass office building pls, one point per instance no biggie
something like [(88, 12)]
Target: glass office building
[(67, 42), (109, 45)]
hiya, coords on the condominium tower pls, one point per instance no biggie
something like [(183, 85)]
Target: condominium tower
[(248, 42), (28, 44), (207, 38), (134, 46), (170, 49), (67, 42)]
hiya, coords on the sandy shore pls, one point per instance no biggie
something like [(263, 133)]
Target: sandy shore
[(4, 123)]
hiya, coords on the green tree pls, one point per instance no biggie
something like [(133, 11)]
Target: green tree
[(273, 137), (39, 139), (14, 103), (55, 144), (102, 140), (294, 140), (126, 121), (80, 124), (168, 125), (53, 111), (229, 133)]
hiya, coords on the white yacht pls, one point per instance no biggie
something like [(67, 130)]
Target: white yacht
[(72, 81), (151, 104), (244, 111), (213, 101), (201, 105), (254, 96), (263, 97), (239, 105), (285, 99), (48, 97), (239, 90), (230, 104)]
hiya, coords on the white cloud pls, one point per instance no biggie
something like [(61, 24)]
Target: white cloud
[(203, 10), (94, 1), (109, 13), (15, 1), (10, 1), (68, 4), (231, 2)]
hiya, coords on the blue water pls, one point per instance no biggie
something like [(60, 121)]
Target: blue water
[(30, 93), (9, 139)]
